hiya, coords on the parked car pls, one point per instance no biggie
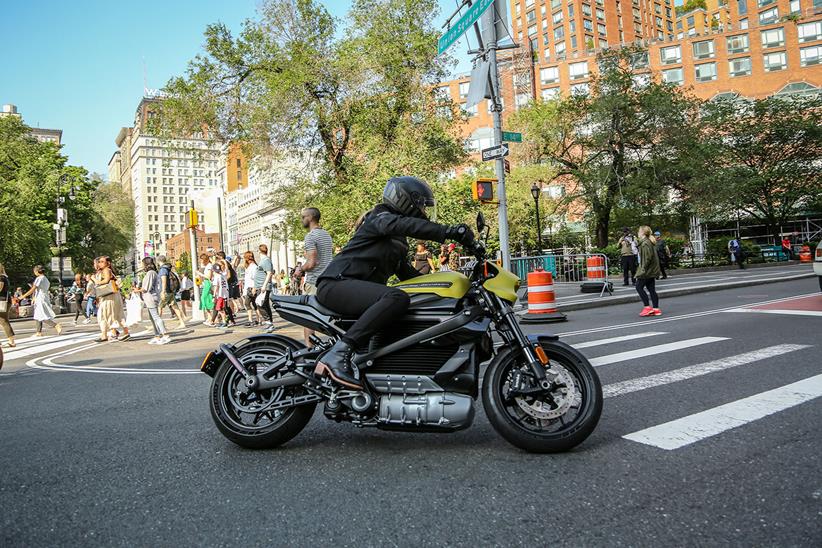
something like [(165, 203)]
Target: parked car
[(817, 264)]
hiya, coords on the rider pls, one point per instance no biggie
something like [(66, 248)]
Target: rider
[(354, 282)]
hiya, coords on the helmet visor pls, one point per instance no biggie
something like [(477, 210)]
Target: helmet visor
[(428, 208)]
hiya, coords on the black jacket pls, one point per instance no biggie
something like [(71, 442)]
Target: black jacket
[(379, 247)]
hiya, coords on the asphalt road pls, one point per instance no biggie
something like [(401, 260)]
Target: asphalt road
[(113, 445)]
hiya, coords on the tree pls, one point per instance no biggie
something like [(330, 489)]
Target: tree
[(764, 157), (356, 103), (627, 134)]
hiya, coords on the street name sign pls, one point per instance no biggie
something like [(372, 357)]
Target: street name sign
[(512, 136), (493, 153), (462, 25)]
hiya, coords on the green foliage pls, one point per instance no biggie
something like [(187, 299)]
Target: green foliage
[(691, 5), (32, 176), (764, 156), (354, 101), (184, 264)]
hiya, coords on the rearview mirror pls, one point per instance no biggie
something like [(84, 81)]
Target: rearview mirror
[(480, 222)]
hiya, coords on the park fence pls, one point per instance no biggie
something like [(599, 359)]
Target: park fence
[(566, 268)]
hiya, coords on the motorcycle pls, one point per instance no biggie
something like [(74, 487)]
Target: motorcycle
[(420, 374)]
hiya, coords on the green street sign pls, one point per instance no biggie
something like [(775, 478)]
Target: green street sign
[(512, 136), (462, 25)]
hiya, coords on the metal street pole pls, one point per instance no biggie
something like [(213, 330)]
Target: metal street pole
[(535, 191), (220, 220), (504, 246), (196, 313)]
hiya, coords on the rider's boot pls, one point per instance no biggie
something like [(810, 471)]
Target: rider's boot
[(336, 363)]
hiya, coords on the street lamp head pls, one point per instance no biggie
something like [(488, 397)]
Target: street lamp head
[(535, 190)]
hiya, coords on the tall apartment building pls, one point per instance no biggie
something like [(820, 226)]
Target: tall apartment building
[(41, 134), (750, 48), (162, 177)]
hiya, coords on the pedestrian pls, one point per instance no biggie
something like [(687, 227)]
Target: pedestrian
[(91, 299), (787, 247), (233, 283), (736, 251), (319, 250), (443, 258), (43, 313), (186, 285), (263, 282), (219, 286), (206, 295), (628, 256), (76, 293), (664, 254), (110, 312), (423, 259), (150, 290), (647, 272), (169, 285), (251, 290), (5, 307)]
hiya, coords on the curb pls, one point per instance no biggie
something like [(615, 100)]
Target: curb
[(611, 301)]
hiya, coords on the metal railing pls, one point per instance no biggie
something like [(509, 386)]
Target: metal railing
[(570, 268)]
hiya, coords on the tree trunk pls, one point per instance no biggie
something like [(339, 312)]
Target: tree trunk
[(601, 228)]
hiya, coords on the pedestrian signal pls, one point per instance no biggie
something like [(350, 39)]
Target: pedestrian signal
[(193, 219), (483, 190)]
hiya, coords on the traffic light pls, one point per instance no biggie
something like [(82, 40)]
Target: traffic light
[(193, 219), (483, 190)]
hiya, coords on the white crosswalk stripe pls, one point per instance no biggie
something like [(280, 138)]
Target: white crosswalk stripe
[(39, 347), (651, 381), (653, 350), (699, 426), (600, 342)]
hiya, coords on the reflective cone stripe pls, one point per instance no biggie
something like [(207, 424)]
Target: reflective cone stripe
[(805, 255), (595, 267), (541, 293)]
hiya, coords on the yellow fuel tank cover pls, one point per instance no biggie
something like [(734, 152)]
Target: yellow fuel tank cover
[(445, 284)]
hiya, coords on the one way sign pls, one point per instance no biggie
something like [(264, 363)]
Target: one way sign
[(493, 153)]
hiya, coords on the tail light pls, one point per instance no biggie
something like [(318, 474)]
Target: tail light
[(819, 252)]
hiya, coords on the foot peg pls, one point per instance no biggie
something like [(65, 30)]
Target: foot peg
[(322, 370)]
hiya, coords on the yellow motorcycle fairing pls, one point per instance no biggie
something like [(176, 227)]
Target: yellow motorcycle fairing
[(504, 285), (451, 285)]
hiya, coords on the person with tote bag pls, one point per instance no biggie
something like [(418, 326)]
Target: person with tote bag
[(43, 313)]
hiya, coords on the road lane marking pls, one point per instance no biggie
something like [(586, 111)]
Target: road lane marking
[(589, 344), (39, 349), (687, 430), (688, 316), (792, 312), (653, 350), (668, 377)]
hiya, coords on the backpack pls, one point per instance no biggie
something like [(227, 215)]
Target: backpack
[(734, 245), (173, 280)]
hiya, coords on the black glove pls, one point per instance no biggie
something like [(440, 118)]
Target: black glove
[(460, 233)]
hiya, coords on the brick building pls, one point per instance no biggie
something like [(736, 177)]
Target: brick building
[(749, 48), (180, 243)]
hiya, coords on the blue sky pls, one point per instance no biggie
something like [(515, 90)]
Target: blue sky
[(78, 66)]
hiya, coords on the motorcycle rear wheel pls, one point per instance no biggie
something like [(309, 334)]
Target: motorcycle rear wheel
[(537, 435), (233, 413)]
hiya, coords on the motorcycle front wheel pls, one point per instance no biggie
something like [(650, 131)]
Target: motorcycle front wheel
[(247, 418), (546, 424)]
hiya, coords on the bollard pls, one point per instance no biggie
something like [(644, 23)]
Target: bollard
[(541, 307)]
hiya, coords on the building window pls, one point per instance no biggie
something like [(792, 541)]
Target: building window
[(559, 33), (763, 3), (578, 70), (773, 38), (808, 32), (560, 48), (522, 99), (738, 43), (769, 16), (673, 76), (743, 24), (739, 67), (742, 6), (670, 55), (464, 89), (471, 111), (550, 93), (704, 50), (557, 17), (549, 75), (810, 56), (705, 72), (794, 5), (579, 89), (775, 61)]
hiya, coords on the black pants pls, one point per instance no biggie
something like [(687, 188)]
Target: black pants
[(375, 304), (662, 266), (81, 309), (650, 283), (628, 263), (265, 308)]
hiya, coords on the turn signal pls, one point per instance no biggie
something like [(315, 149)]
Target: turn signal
[(543, 357)]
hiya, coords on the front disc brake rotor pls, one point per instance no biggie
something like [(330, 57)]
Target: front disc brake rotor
[(565, 396)]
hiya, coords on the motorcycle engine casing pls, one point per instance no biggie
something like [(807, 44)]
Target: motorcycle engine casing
[(425, 411)]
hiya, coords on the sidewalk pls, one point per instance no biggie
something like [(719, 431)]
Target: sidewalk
[(568, 296)]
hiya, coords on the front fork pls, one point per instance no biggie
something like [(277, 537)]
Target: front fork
[(507, 317)]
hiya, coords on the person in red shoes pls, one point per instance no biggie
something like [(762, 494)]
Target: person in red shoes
[(647, 272)]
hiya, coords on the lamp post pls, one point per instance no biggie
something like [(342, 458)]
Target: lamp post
[(60, 233), (535, 192)]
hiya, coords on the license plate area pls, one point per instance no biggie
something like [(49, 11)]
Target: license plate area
[(211, 362)]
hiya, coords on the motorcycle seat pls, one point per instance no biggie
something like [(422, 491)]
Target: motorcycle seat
[(308, 300)]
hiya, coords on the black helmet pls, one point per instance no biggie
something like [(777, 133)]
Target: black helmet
[(408, 196)]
